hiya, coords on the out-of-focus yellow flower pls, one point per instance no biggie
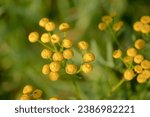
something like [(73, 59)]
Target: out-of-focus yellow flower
[(145, 19), (50, 26), (146, 74), (45, 69), (33, 37), (25, 97), (145, 64), (139, 44), (43, 22), (83, 45), (137, 26), (102, 26), (107, 19), (145, 28), (37, 93), (55, 38), (131, 52), (117, 54), (117, 26), (138, 69), (27, 89), (64, 27), (141, 79), (138, 58), (129, 74), (128, 59)]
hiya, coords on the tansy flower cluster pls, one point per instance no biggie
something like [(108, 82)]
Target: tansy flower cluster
[(59, 50), (29, 93), (136, 65), (110, 22), (143, 25)]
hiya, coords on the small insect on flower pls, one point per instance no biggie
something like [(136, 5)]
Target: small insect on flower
[(64, 27), (33, 37)]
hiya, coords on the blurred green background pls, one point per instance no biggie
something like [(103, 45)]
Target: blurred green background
[(20, 61)]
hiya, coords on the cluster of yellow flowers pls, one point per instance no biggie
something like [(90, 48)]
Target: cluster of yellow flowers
[(143, 25), (59, 50), (136, 66), (110, 21), (29, 93)]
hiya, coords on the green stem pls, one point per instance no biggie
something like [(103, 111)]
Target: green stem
[(118, 85), (45, 45), (77, 88)]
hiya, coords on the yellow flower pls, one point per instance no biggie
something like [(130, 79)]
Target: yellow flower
[(54, 66), (117, 53), (83, 45), (138, 69), (37, 93), (55, 38), (146, 74), (53, 98), (43, 22), (139, 44), (117, 26), (141, 79), (145, 28), (33, 37), (71, 69), (88, 57), (145, 19), (68, 54), (53, 76), (131, 52), (45, 69), (67, 43), (27, 89), (57, 56), (87, 67), (127, 59), (107, 19), (129, 74), (50, 26), (64, 27), (46, 53), (145, 64), (25, 97), (137, 26), (138, 58), (102, 26), (45, 38)]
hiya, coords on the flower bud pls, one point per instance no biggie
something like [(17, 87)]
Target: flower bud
[(131, 52), (57, 56), (25, 97), (45, 38), (55, 38), (54, 66), (27, 89), (50, 26), (83, 45), (46, 53), (139, 44), (145, 64), (137, 26), (37, 93), (43, 22), (117, 54), (138, 58), (33, 37), (64, 27), (67, 43), (87, 67), (53, 76), (68, 54), (102, 26), (88, 57), (71, 69), (129, 74), (138, 69), (141, 79), (45, 69)]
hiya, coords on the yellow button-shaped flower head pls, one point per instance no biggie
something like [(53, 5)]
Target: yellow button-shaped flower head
[(117, 54), (87, 67), (117, 26), (67, 43), (145, 28), (88, 57), (139, 44), (83, 45), (137, 26), (37, 93), (43, 22), (129, 74), (64, 27), (45, 38), (107, 19), (68, 54), (50, 26), (53, 76), (138, 58), (46, 53), (46, 69), (145, 19), (102, 26), (138, 68), (145, 64), (33, 37), (71, 69), (131, 52), (141, 79), (25, 97), (54, 66), (55, 38), (146, 73), (27, 89), (128, 59), (57, 56)]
